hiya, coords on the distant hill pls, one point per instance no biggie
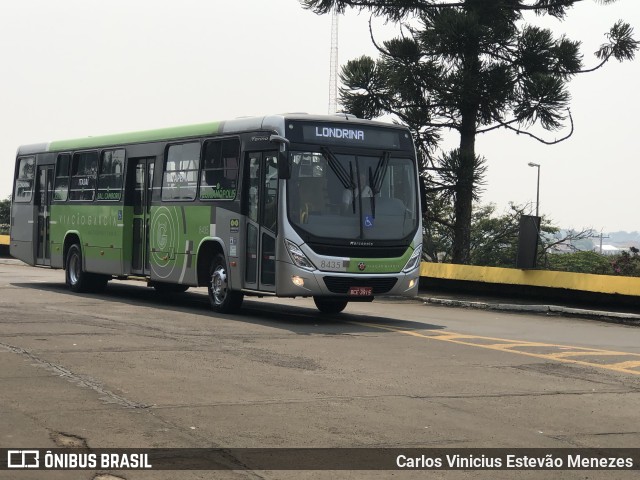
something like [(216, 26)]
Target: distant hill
[(623, 237), (622, 240)]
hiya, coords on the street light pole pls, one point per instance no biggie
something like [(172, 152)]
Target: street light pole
[(531, 164)]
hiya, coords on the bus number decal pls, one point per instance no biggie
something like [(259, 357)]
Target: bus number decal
[(333, 265)]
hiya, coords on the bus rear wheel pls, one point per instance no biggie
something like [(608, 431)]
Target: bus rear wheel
[(330, 305), (76, 278), (223, 300)]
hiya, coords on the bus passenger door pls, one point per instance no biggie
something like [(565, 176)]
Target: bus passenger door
[(261, 196), (141, 183), (44, 182)]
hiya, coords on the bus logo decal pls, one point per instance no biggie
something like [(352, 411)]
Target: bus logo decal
[(362, 266), (162, 236), (165, 228), (234, 225)]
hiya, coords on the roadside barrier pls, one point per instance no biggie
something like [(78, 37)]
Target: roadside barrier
[(497, 277)]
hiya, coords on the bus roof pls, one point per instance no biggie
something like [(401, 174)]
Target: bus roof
[(271, 123)]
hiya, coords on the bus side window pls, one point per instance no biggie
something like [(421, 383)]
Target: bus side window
[(61, 184), (219, 177), (84, 170), (181, 172), (24, 182), (110, 175)]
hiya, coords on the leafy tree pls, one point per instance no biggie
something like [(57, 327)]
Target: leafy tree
[(471, 66), (627, 263), (5, 212), (580, 262), (494, 238)]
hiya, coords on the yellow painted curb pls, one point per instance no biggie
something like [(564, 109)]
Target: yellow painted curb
[(536, 278), (4, 239)]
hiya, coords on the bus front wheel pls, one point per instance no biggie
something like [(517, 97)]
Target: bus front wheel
[(222, 299), (76, 278), (330, 305)]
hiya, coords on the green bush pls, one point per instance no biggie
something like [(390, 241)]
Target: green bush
[(581, 262), (5, 212), (627, 263)]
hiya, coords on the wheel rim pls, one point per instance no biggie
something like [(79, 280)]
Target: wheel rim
[(219, 285), (74, 269)]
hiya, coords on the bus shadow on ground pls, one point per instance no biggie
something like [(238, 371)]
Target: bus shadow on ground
[(302, 320)]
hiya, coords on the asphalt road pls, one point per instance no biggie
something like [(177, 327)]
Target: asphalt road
[(127, 368)]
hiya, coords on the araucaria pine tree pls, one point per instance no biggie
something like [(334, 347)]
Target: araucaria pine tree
[(470, 66)]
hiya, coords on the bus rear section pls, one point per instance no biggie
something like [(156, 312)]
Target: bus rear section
[(30, 209)]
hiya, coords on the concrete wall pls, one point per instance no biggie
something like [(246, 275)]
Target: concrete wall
[(580, 282), (4, 245)]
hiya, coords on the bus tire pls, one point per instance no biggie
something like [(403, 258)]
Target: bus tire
[(75, 277), (330, 305), (170, 287), (222, 299)]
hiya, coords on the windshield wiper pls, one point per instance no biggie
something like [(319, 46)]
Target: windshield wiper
[(381, 171), (375, 179), (338, 169), (346, 179), (353, 188)]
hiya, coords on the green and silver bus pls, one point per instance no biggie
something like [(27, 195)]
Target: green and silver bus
[(286, 205)]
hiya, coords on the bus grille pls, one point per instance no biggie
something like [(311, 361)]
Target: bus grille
[(342, 284), (358, 252)]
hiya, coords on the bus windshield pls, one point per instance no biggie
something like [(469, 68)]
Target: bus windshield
[(353, 197)]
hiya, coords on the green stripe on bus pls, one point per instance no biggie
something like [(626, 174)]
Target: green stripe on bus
[(379, 265), (138, 137)]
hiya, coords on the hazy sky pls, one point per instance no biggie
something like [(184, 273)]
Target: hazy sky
[(74, 68)]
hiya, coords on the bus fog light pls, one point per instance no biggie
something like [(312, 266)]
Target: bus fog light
[(412, 283), (297, 281)]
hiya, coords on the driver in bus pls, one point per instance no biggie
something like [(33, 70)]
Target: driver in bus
[(362, 189)]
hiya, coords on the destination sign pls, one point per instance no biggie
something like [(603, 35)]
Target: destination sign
[(353, 135)]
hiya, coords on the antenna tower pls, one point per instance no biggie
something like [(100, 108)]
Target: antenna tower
[(333, 65)]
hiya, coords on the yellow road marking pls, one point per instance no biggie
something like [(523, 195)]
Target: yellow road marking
[(628, 365), (508, 345), (588, 352)]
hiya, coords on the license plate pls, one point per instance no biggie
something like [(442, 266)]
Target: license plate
[(360, 291)]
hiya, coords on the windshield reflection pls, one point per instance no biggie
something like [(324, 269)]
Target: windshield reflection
[(352, 197)]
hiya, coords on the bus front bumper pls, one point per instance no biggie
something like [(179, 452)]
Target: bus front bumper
[(293, 281)]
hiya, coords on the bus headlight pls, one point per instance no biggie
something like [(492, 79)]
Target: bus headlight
[(297, 256), (414, 260)]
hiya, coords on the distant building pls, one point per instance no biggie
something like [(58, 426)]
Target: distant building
[(609, 250)]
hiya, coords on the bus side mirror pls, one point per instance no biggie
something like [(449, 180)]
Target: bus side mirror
[(284, 172)]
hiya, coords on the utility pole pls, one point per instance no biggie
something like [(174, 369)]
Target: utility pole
[(333, 65), (601, 237)]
